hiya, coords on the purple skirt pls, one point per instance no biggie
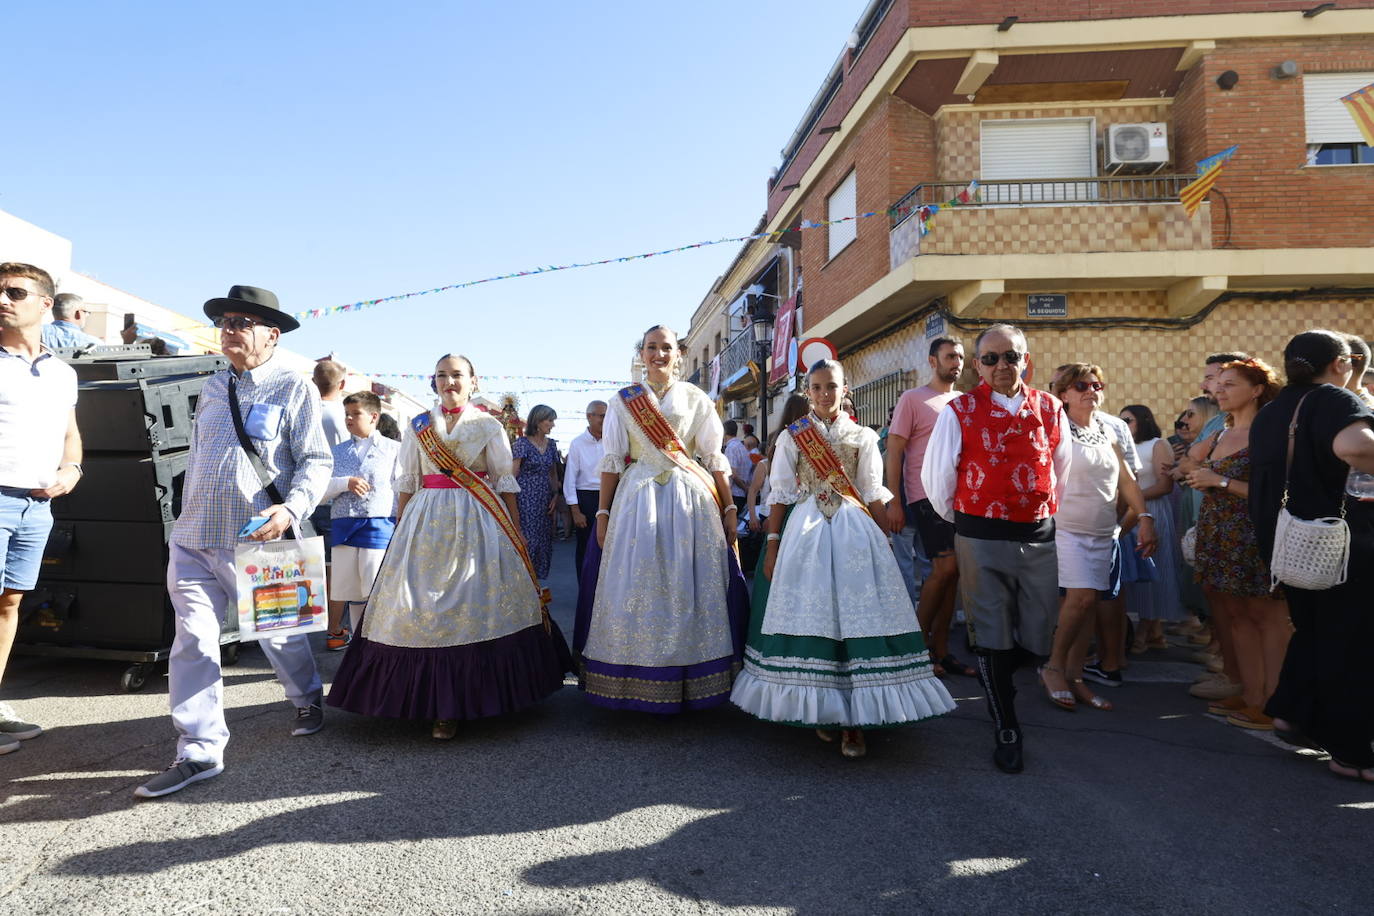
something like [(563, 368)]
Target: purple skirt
[(659, 690), (472, 681)]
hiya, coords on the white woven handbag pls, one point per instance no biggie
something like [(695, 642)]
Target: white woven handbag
[(1188, 545), (1314, 553)]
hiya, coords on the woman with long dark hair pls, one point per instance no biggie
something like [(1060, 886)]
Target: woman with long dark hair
[(1325, 694)]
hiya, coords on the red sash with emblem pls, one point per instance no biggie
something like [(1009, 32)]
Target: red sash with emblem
[(813, 445), (649, 418), (452, 467)]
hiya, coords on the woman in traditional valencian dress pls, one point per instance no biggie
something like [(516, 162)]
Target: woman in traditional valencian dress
[(838, 645), (662, 614), (455, 627)]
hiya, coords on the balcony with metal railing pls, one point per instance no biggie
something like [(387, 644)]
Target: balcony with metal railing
[(1050, 216), (735, 358)]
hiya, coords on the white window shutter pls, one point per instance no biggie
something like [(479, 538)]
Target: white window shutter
[(842, 203), (1328, 120), (1036, 148)]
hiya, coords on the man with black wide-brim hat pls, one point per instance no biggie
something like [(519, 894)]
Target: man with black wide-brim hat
[(280, 413)]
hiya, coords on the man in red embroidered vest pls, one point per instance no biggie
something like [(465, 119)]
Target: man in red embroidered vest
[(995, 467)]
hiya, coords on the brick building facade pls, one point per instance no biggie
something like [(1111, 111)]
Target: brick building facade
[(922, 104)]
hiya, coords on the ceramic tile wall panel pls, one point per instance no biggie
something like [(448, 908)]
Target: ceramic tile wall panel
[(957, 131), (1056, 230), (1158, 368)]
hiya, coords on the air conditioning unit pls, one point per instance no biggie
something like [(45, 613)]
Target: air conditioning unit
[(1130, 145)]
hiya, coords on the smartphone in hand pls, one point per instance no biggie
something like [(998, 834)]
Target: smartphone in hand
[(254, 524)]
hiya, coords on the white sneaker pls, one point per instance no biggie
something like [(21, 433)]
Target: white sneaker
[(15, 727)]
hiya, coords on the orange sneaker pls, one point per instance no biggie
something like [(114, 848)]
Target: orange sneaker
[(337, 640)]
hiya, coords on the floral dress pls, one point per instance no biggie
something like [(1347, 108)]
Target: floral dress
[(1228, 557), (535, 492)]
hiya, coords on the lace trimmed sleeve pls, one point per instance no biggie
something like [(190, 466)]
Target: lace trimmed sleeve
[(710, 435), (782, 477), (615, 440), (868, 479), (408, 473), (500, 462)]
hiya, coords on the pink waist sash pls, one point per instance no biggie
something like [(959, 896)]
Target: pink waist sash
[(445, 482)]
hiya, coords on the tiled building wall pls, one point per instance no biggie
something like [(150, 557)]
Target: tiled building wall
[(957, 132), (1055, 230), (1158, 368)]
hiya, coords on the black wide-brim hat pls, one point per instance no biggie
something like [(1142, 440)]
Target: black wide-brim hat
[(252, 301)]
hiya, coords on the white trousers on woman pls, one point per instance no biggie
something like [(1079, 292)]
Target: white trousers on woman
[(202, 588)]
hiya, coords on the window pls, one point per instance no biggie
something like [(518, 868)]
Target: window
[(1333, 138), (842, 204), (1033, 149)]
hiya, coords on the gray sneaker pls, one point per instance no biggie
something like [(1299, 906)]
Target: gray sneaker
[(8, 745), (309, 719), (15, 727), (177, 777)]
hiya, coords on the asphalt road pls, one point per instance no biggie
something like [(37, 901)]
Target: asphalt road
[(1152, 808)]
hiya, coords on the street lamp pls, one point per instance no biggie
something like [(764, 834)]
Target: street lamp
[(760, 312)]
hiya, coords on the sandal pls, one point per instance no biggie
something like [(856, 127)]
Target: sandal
[(852, 743), (1225, 707), (952, 665), (1061, 698), (444, 729), (1081, 691), (1251, 718), (1350, 771), (826, 734)]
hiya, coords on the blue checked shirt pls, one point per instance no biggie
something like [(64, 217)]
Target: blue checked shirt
[(281, 411), (66, 334)]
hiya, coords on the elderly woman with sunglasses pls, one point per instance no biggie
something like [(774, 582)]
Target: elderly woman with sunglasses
[(1086, 528)]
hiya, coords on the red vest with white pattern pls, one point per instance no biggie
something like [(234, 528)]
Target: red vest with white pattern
[(1006, 467)]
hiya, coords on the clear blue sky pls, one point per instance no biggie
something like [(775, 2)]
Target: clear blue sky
[(339, 151)]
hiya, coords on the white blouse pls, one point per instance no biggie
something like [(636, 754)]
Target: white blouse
[(688, 411), (478, 439)]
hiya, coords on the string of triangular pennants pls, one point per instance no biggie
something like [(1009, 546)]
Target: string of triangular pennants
[(1191, 196), (965, 196)]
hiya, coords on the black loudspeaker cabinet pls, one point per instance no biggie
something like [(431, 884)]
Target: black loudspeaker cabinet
[(138, 415), (104, 615), (107, 551), (128, 487)]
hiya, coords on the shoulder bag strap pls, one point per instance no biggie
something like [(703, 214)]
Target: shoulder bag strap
[(1288, 462), (255, 459)]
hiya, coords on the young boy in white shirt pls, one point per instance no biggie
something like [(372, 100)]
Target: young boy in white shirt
[(362, 517)]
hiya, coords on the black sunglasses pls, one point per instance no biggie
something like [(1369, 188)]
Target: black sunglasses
[(1084, 386), (238, 322), (1012, 357), (18, 293)]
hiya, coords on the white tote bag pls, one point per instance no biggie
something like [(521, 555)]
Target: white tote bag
[(281, 589)]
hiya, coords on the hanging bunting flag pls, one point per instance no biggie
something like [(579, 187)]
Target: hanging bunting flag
[(1208, 170), (1360, 104)]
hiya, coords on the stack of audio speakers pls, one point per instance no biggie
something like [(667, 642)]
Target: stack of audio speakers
[(102, 591)]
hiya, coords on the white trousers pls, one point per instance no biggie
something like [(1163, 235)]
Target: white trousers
[(202, 588)]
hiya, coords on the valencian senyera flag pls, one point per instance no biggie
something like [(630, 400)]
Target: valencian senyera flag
[(1360, 104), (1207, 172)]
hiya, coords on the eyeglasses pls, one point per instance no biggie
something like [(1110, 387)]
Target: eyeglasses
[(1084, 386), (238, 323), (1012, 358), (18, 293)]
